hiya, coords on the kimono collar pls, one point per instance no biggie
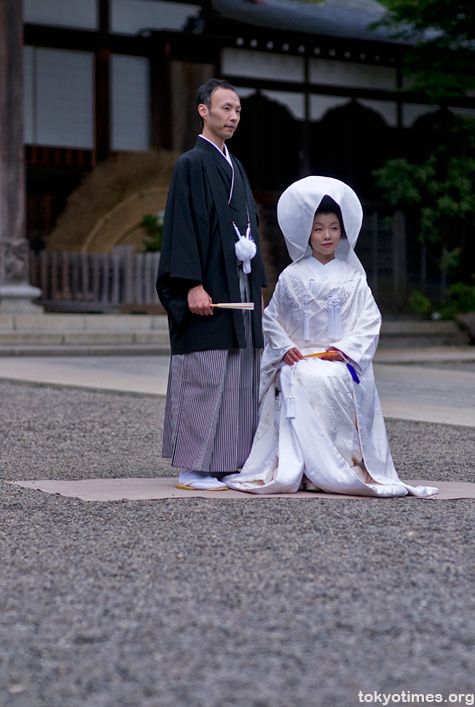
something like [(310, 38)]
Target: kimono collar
[(321, 270), (225, 153), (296, 210), (227, 156)]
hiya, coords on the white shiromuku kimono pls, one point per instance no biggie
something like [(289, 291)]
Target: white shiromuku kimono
[(321, 421)]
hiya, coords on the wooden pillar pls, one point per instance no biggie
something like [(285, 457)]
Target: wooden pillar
[(102, 88), (161, 92), (15, 292)]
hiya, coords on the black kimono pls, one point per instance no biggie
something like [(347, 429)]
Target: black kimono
[(198, 247), (212, 396)]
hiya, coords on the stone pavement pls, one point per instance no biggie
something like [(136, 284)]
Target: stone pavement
[(435, 384), (79, 334), (223, 603)]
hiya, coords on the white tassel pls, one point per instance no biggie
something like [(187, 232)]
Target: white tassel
[(290, 400), (245, 248), (306, 316), (289, 408), (334, 316), (278, 407), (306, 319)]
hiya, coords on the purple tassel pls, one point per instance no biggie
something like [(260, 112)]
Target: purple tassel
[(353, 372)]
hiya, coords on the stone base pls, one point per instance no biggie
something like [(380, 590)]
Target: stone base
[(467, 323), (17, 299)]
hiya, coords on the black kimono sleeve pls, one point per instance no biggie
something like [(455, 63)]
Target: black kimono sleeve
[(184, 241)]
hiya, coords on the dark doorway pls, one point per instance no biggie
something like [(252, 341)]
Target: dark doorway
[(267, 142), (349, 143)]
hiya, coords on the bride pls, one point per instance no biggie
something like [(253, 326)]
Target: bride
[(321, 426)]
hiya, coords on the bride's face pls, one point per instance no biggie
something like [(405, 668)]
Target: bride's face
[(325, 237)]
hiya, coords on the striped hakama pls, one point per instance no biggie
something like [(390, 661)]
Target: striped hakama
[(212, 402)]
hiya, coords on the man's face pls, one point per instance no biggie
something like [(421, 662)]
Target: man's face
[(223, 116)]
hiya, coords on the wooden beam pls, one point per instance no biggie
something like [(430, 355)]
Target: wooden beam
[(84, 40), (104, 16), (13, 244)]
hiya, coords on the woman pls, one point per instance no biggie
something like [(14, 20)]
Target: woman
[(321, 426)]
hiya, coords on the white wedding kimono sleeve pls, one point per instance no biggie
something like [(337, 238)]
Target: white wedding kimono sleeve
[(277, 340), (361, 341)]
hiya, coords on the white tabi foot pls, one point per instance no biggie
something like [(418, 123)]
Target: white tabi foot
[(198, 481)]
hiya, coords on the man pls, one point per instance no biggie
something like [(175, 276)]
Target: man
[(212, 397)]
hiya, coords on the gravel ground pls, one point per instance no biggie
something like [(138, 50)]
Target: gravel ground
[(207, 603)]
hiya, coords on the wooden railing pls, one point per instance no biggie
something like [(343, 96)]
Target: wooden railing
[(120, 281)]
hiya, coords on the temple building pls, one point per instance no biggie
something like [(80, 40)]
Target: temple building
[(112, 82)]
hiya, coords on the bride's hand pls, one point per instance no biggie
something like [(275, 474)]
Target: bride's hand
[(332, 355), (292, 356)]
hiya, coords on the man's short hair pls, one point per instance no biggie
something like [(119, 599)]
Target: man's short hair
[(203, 95)]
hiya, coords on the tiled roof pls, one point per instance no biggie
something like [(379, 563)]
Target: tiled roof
[(338, 18)]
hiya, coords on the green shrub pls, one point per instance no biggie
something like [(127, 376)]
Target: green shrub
[(460, 299), (420, 303), (154, 226)]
